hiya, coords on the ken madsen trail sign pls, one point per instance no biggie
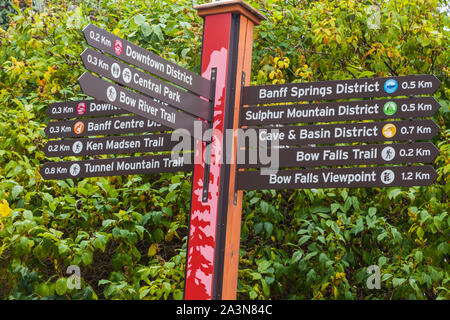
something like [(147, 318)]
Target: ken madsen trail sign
[(349, 133)]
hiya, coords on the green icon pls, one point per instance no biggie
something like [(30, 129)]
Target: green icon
[(390, 108)]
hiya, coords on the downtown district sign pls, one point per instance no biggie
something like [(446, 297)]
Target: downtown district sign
[(140, 99)]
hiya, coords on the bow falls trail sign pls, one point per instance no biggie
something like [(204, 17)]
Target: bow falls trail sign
[(139, 98)]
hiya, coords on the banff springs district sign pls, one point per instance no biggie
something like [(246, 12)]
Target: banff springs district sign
[(285, 136)]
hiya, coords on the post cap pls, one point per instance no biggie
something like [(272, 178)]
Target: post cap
[(230, 6)]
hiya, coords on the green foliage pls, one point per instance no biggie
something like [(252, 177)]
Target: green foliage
[(128, 234)]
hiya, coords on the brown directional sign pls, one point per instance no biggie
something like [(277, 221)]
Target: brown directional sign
[(148, 61), (340, 111), (341, 89), (338, 178), (110, 145), (101, 126), (348, 132), (143, 82), (422, 152), (114, 167), (138, 104), (82, 108)]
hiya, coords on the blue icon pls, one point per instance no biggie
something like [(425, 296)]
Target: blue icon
[(390, 86)]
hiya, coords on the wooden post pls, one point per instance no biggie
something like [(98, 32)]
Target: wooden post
[(215, 220)]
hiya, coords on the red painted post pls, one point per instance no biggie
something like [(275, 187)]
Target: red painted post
[(214, 233)]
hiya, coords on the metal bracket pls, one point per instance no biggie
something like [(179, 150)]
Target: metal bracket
[(208, 140)]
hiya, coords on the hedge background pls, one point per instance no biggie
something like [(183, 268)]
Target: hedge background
[(128, 234)]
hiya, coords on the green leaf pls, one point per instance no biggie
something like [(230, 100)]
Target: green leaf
[(61, 286), (16, 191), (139, 19), (303, 239), (394, 193), (86, 257), (28, 215), (263, 265), (268, 227), (264, 207), (297, 256), (418, 256), (146, 29), (258, 227), (63, 249), (397, 282)]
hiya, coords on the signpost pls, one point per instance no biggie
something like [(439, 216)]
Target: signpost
[(423, 152), (341, 89), (82, 108), (213, 100), (340, 111), (110, 145), (348, 132), (339, 178), (137, 103), (113, 167), (101, 126), (146, 60), (143, 82)]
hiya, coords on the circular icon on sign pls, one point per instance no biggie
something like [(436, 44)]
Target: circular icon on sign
[(77, 147), (115, 70), (390, 86), (118, 47), (388, 154), (111, 94), (75, 169), (81, 108), (387, 176), (390, 108), (126, 75), (78, 128), (389, 130)]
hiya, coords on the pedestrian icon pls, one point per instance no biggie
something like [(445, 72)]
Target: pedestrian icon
[(115, 70), (77, 147), (111, 94), (388, 154), (75, 169)]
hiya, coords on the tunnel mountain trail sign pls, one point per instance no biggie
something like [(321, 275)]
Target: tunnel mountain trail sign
[(139, 97)]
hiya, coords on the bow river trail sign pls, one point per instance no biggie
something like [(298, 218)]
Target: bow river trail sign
[(140, 100)]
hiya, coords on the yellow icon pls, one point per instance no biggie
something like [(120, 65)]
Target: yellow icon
[(389, 130)]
